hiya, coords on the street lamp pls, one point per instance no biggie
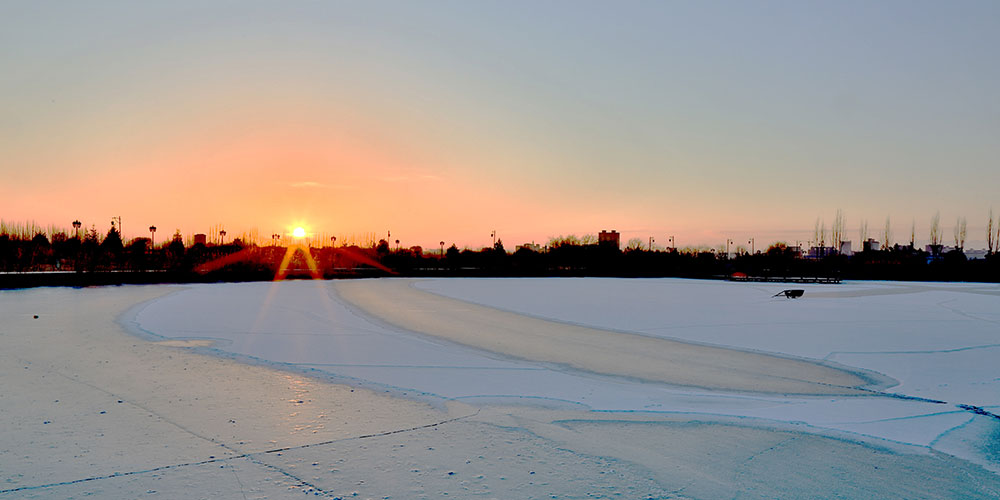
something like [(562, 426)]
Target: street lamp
[(397, 245), (76, 225), (442, 248), (275, 237), (493, 234), (751, 242), (152, 232), (672, 244), (729, 241), (222, 237), (333, 241), (651, 240)]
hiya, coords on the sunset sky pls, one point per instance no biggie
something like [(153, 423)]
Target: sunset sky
[(448, 120)]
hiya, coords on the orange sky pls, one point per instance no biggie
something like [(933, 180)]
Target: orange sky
[(446, 122)]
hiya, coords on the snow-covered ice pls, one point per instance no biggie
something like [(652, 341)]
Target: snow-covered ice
[(937, 340), (227, 394)]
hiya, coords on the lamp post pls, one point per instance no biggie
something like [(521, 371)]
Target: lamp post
[(493, 234), (397, 245), (442, 248), (672, 247), (751, 242), (152, 232), (119, 219), (222, 237), (333, 241), (651, 240), (729, 241), (274, 238), (76, 225)]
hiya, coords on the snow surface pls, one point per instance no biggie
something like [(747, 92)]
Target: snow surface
[(940, 341)]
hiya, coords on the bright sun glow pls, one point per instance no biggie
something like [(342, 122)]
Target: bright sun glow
[(299, 232)]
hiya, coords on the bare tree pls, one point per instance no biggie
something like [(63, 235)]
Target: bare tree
[(996, 238), (960, 233), (936, 229), (819, 233), (886, 234), (837, 231), (634, 244), (989, 234)]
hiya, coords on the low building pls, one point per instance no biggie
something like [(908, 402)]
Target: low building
[(200, 238), (609, 238), (975, 254), (530, 246), (819, 252)]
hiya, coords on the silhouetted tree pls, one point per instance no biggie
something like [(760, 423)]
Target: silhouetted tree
[(7, 252), (561, 240), (989, 234), (960, 233), (65, 250), (837, 230), (887, 234), (935, 235), (38, 251), (136, 253), (89, 250), (112, 247), (819, 234)]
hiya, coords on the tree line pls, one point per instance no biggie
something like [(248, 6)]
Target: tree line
[(94, 258)]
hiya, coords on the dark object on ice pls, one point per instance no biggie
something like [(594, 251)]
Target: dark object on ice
[(36, 316), (790, 294)]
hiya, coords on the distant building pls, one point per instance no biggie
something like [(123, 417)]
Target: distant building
[(200, 238), (870, 245), (531, 246), (818, 252), (845, 248), (609, 238), (975, 254)]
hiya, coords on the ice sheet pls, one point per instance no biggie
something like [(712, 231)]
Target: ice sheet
[(937, 340)]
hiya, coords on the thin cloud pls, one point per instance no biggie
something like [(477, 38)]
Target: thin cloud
[(307, 184), (410, 177), (320, 185)]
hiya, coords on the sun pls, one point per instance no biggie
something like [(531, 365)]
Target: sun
[(299, 232)]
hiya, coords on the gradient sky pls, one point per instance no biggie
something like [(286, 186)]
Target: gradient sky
[(447, 120)]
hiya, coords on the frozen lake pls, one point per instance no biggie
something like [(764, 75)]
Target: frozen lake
[(936, 344)]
